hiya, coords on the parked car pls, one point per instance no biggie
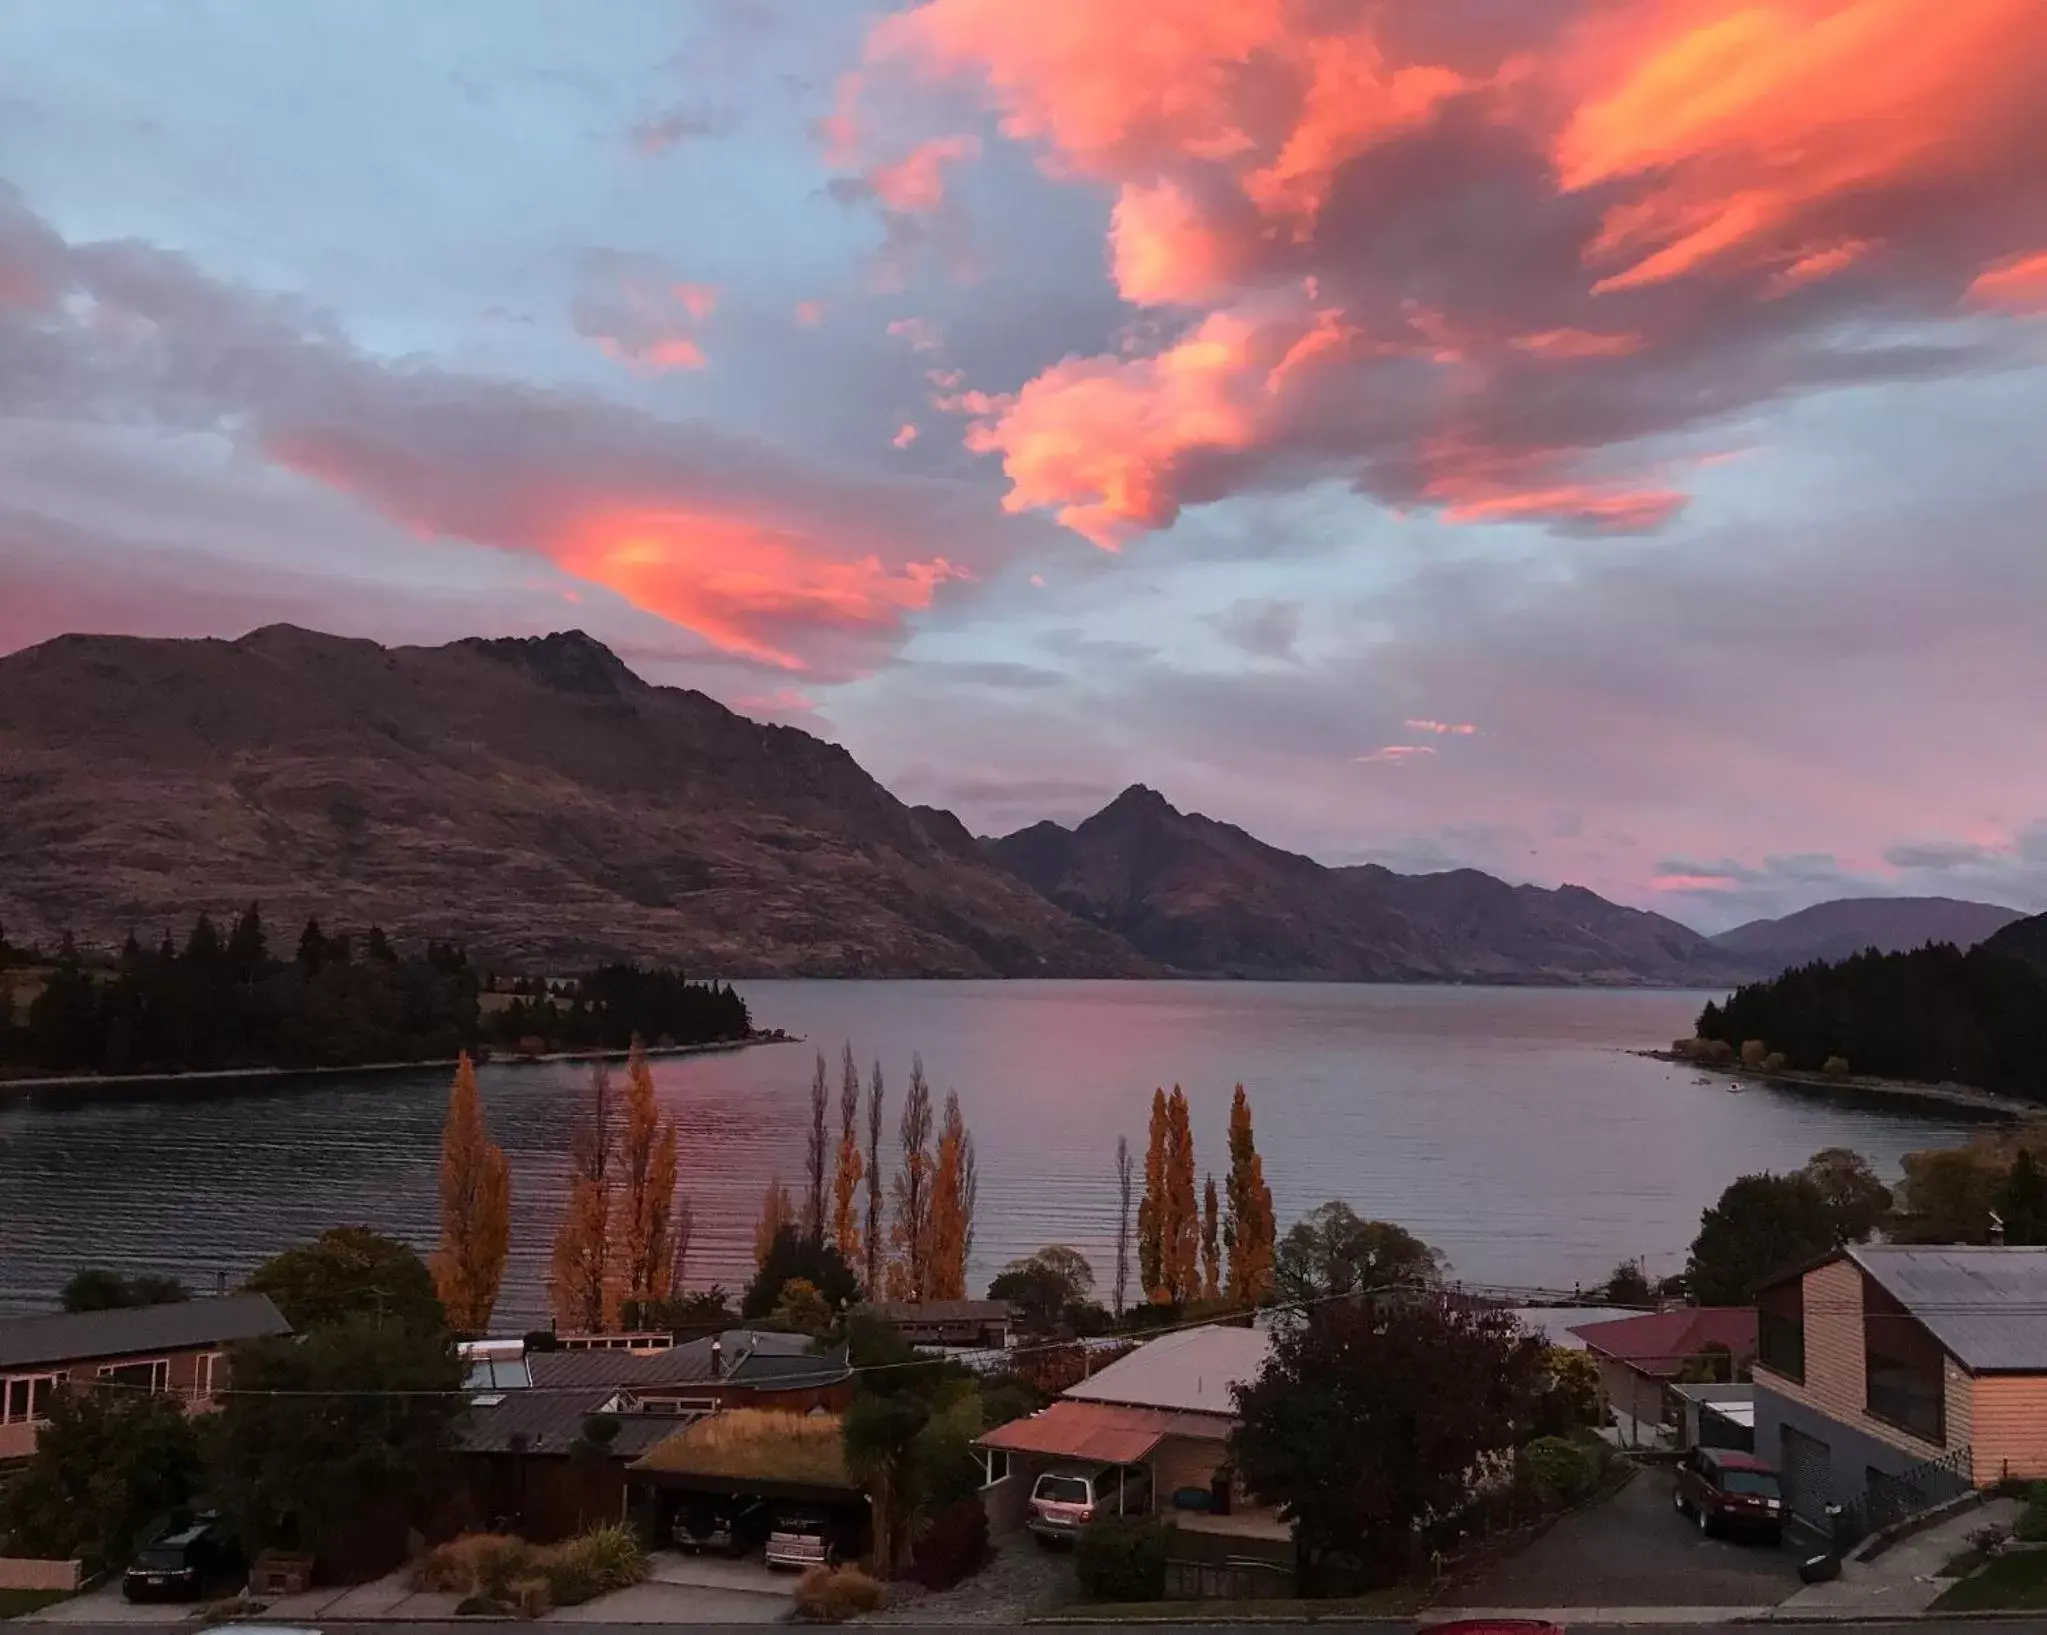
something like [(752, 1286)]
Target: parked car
[(182, 1563), (1067, 1498), (1725, 1488), (730, 1528), (801, 1538)]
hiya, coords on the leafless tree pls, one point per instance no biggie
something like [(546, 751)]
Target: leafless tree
[(1125, 1174)]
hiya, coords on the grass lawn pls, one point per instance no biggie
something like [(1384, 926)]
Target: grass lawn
[(14, 1603), (1402, 1601), (2017, 1581)]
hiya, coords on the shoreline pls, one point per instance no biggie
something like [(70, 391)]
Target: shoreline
[(1986, 1104), (274, 1075)]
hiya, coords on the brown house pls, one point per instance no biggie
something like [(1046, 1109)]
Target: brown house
[(533, 1466), (980, 1324), (1641, 1358), (179, 1348), (1888, 1377)]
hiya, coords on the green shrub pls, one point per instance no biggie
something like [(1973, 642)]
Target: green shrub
[(1561, 1471), (1122, 1558), (2032, 1523), (593, 1564), (831, 1595)]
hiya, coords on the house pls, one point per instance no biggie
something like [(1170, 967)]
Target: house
[(1641, 1357), (981, 1325), (1888, 1376), (548, 1460), (1169, 1407), (751, 1462), (179, 1347)]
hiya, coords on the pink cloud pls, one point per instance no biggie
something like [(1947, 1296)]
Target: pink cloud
[(1395, 755), (808, 314), (915, 183), (919, 334), (2019, 284), (1453, 729), (638, 313), (905, 435)]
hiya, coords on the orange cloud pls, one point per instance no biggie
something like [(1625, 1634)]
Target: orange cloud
[(1577, 343), (1395, 754), (1598, 510), (808, 314), (915, 183), (1162, 249), (905, 436), (1454, 729), (2019, 284), (1691, 882), (728, 579), (1812, 266), (636, 314)]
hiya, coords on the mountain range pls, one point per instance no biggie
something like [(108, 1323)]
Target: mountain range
[(537, 799), (1851, 924)]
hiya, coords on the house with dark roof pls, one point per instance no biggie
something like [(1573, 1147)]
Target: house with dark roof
[(981, 1325), (1888, 1377), (550, 1457), (179, 1347), (1640, 1358)]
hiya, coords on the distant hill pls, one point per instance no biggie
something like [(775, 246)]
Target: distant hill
[(1849, 925), (533, 798), (1202, 896), (2022, 939)]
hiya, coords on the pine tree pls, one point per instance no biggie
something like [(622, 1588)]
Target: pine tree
[(1151, 1209), (953, 1188), (647, 1157), (1125, 1166), (875, 1221), (312, 952), (909, 1274), (816, 1157), (247, 946), (476, 1210), (584, 1289), (847, 1177), (1249, 1231), (1180, 1231), (1211, 1244), (776, 1212)]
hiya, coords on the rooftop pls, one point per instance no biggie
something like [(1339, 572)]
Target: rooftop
[(937, 1311), (1661, 1342), (179, 1325), (760, 1361), (1987, 1305), (1192, 1371), (757, 1445), (550, 1422), (1099, 1432)]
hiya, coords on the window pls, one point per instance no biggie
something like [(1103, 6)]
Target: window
[(24, 1397), (1907, 1395), (154, 1375), (998, 1465), (207, 1373), (1780, 1330)]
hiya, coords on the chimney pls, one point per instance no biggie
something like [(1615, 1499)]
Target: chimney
[(1996, 1230), (717, 1357)]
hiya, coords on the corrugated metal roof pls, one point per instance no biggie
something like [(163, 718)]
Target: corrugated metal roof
[(1987, 1305), (547, 1422), (180, 1325), (1099, 1432), (1659, 1344), (1193, 1370), (763, 1362)]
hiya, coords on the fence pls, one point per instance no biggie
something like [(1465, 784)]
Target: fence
[(1888, 1500), (26, 1573)]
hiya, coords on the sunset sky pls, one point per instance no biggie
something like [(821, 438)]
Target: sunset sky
[(1591, 440)]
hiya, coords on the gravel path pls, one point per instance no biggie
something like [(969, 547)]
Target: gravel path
[(1022, 1581)]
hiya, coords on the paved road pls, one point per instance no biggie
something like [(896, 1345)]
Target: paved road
[(2027, 1626), (1634, 1550)]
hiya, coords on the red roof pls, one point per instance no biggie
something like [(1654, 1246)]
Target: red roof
[(1660, 1342), (1099, 1431)]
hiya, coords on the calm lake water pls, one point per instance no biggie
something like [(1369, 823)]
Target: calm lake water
[(1509, 1127)]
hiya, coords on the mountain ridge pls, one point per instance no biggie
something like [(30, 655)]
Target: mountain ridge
[(1845, 926)]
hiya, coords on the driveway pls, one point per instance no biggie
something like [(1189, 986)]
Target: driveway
[(106, 1605), (1633, 1550), (692, 1589)]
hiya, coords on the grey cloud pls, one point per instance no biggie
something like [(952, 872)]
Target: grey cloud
[(1263, 627)]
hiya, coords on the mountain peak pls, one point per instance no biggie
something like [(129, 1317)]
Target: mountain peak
[(571, 661), (1139, 800)]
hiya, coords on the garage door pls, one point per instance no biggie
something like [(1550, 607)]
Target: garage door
[(1807, 1470)]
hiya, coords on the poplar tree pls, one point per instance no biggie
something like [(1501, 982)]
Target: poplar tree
[(476, 1210), (816, 1156), (1249, 1231), (776, 1212), (955, 1181), (583, 1289), (1151, 1210), (1180, 1231), (1211, 1245), (647, 1165), (875, 1238), (846, 1179), (1125, 1168), (910, 1271)]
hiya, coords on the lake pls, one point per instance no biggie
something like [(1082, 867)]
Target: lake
[(1510, 1127)]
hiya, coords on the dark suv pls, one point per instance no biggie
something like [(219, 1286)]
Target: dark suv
[(182, 1563), (1723, 1488)]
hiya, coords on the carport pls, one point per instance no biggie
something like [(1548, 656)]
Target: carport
[(1097, 1434), (747, 1458)]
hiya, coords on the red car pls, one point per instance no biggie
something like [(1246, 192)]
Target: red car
[(1724, 1488)]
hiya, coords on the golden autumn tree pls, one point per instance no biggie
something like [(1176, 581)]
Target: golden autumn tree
[(647, 1171), (1180, 1229), (876, 1239), (909, 1272), (777, 1211), (476, 1210), (955, 1183), (1151, 1208), (1249, 1230), (1211, 1244), (584, 1286), (850, 1169)]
